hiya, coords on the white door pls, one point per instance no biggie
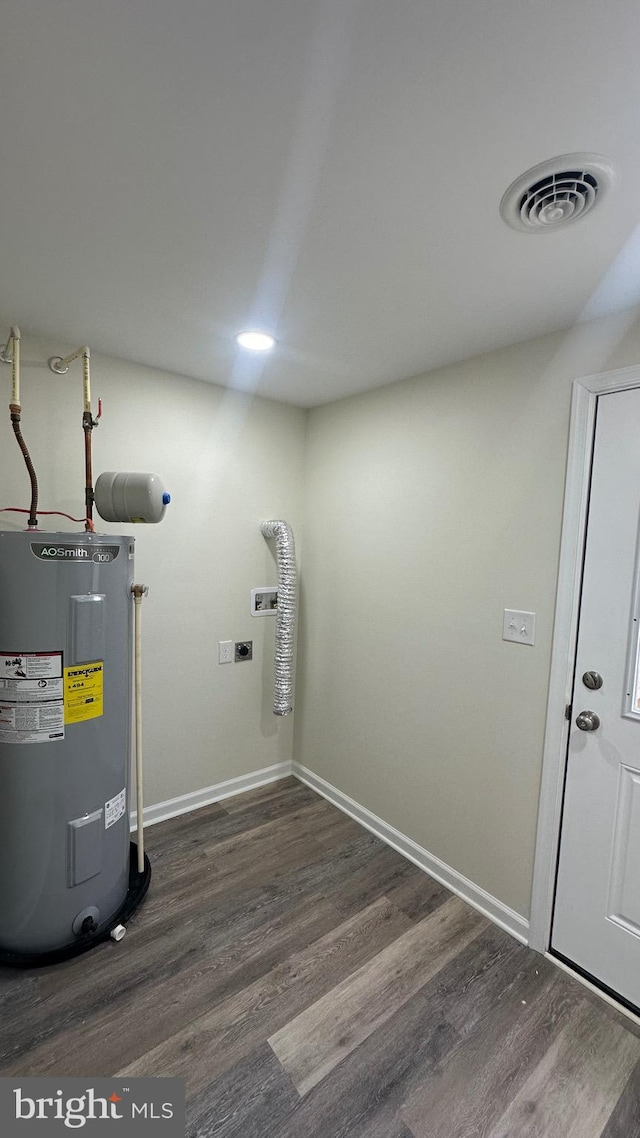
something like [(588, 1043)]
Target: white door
[(597, 908)]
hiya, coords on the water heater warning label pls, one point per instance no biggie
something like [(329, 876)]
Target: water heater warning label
[(83, 692), (115, 808), (25, 723), (31, 697), (30, 665)]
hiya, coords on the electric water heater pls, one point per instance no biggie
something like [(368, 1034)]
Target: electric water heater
[(66, 614)]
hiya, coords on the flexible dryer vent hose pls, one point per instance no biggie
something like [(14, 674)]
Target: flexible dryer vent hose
[(286, 618)]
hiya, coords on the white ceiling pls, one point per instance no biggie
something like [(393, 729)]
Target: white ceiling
[(172, 171)]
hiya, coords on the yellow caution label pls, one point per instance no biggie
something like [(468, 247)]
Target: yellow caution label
[(83, 692)]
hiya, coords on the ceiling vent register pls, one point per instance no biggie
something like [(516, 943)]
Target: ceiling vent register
[(556, 193)]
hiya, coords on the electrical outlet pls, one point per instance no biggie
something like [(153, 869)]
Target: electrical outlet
[(225, 651), (519, 626), (244, 650)]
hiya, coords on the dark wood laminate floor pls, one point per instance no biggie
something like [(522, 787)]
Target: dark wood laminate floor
[(308, 982)]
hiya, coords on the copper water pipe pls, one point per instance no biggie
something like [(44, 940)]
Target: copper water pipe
[(60, 366)]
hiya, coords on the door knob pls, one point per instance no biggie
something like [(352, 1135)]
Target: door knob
[(588, 721)]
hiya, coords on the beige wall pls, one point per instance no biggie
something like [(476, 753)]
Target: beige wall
[(432, 505), (229, 461)]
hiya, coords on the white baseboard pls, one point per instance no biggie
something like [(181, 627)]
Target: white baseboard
[(184, 803), (484, 902)]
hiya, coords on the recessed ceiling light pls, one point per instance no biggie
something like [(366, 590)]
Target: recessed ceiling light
[(256, 341)]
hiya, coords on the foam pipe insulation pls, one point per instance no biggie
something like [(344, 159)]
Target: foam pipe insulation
[(286, 618)]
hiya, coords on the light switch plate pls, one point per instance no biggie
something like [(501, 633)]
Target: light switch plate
[(520, 627)]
